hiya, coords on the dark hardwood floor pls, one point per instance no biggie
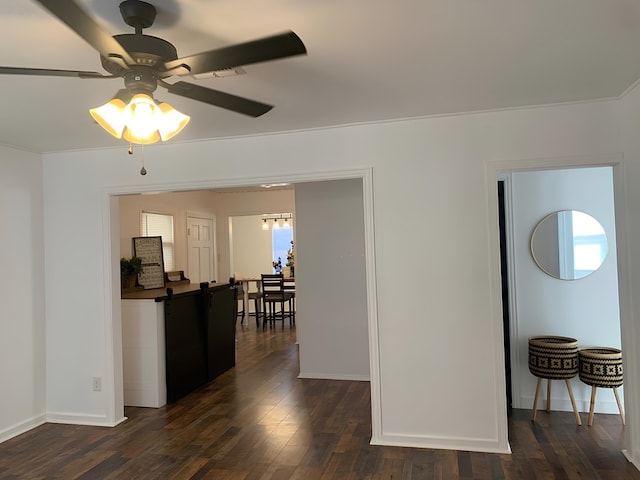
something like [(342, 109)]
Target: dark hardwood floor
[(258, 421)]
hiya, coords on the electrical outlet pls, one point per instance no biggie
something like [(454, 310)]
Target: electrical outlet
[(97, 384)]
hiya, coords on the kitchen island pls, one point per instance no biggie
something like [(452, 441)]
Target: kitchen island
[(176, 340)]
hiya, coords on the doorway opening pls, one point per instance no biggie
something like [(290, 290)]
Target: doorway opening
[(366, 217), (537, 303)]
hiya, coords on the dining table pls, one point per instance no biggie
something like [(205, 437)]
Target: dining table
[(247, 281)]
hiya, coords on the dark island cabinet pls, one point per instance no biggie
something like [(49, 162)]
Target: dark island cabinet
[(221, 332), (199, 337)]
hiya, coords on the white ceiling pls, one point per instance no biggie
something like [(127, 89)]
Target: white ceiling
[(368, 60)]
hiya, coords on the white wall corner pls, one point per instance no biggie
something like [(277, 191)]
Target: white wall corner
[(82, 419)]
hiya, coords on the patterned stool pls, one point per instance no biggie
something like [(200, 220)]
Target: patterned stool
[(601, 367), (553, 358)]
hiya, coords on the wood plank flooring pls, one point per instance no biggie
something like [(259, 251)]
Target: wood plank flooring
[(258, 421)]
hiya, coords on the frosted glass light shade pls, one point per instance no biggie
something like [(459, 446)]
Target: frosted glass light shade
[(172, 121), (109, 116)]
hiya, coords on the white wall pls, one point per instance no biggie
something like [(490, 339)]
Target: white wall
[(22, 327), (251, 247), (331, 296), (438, 330), (220, 204), (229, 204), (586, 309), (177, 204)]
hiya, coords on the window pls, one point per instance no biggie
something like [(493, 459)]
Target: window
[(281, 243), (589, 244), (158, 224)]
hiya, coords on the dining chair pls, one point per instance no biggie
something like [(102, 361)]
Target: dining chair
[(240, 311), (256, 297), (243, 311), (290, 287), (274, 294)]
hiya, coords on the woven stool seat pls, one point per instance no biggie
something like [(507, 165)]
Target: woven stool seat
[(553, 358), (601, 367)]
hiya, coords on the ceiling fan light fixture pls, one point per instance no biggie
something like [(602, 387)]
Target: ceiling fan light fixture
[(142, 120)]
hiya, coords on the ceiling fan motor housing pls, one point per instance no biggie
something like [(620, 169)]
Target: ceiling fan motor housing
[(145, 50)]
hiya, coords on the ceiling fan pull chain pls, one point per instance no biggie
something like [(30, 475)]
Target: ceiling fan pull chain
[(143, 171)]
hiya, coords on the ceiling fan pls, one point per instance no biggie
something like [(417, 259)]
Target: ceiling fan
[(144, 62)]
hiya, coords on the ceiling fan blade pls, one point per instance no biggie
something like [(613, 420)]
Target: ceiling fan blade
[(269, 48), (219, 99), (51, 72), (71, 14)]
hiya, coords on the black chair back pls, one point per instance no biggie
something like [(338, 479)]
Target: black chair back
[(272, 283)]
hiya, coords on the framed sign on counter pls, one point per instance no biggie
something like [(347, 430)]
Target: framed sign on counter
[(149, 249)]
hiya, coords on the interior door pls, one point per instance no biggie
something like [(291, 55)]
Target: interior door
[(201, 247)]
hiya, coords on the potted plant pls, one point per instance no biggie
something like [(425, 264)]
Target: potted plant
[(277, 266), (129, 270), (291, 260)]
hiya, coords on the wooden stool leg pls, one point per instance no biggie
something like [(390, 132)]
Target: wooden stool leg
[(548, 395), (535, 401), (573, 402), (615, 392), (592, 406)]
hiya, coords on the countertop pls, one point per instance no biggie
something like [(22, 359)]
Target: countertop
[(160, 294)]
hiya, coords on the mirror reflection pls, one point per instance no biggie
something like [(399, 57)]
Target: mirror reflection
[(569, 244)]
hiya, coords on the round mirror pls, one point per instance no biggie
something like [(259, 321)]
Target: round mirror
[(569, 244)]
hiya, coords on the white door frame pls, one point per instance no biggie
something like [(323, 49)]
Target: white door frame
[(113, 379), (495, 172)]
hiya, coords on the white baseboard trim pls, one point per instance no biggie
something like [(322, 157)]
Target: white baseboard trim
[(441, 443), (82, 419), (335, 376), (631, 459), (22, 427)]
